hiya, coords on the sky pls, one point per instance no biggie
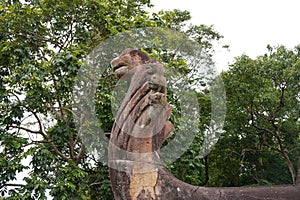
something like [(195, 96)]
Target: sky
[(247, 26)]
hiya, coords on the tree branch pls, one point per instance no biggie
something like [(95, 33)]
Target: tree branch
[(80, 154), (54, 147), (35, 143), (25, 129), (280, 106), (39, 122), (56, 150), (12, 185), (96, 183)]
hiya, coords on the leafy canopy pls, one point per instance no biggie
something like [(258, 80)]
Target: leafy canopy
[(43, 44)]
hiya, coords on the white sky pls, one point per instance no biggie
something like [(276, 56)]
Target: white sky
[(247, 26)]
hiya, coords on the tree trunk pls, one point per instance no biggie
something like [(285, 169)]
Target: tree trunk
[(286, 158), (298, 173), (140, 128), (206, 170), (290, 166)]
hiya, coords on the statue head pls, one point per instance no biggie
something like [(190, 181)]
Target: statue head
[(127, 60)]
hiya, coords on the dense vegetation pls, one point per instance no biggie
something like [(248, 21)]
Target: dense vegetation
[(43, 44)]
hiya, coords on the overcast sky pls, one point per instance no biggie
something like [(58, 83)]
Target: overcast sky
[(247, 26)]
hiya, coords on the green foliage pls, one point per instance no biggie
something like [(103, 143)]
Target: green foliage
[(175, 19), (43, 44), (262, 124), (262, 129)]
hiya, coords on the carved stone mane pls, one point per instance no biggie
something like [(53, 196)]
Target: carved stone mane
[(141, 125)]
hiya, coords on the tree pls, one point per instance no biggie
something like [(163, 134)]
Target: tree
[(42, 46), (263, 96)]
